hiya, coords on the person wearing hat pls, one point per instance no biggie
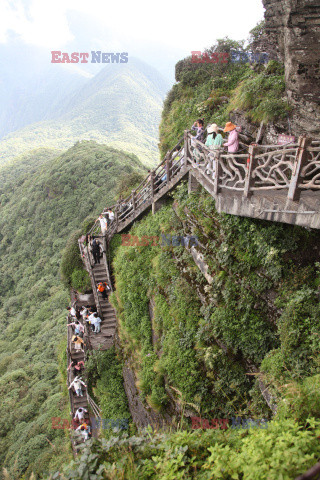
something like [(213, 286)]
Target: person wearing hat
[(233, 139), (214, 138)]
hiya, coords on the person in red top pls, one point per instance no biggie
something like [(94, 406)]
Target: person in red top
[(77, 367), (103, 288)]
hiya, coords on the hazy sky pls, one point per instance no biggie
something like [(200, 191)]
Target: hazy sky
[(159, 32)]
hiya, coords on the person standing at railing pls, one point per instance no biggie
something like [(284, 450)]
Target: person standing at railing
[(72, 311), (110, 216), (233, 139), (103, 224), (214, 138), (213, 142), (78, 328), (198, 127)]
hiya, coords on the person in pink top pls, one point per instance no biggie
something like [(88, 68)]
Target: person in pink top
[(78, 328), (233, 139)]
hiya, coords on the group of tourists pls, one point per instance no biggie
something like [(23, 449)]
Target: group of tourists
[(79, 318), (89, 315), (214, 139)]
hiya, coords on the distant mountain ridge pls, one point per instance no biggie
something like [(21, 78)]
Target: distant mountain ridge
[(120, 106)]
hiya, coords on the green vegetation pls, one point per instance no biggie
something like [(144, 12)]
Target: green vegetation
[(104, 377), (283, 450), (72, 269), (45, 196), (212, 91), (262, 306)]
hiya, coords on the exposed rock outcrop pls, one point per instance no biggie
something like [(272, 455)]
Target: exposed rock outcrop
[(293, 28)]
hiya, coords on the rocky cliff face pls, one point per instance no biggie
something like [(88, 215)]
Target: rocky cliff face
[(293, 27)]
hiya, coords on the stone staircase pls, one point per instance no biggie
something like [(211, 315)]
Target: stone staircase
[(104, 339)]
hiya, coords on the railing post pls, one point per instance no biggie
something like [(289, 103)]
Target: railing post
[(218, 170), (249, 180), (299, 162), (133, 200), (116, 215), (152, 185), (168, 166), (187, 153)]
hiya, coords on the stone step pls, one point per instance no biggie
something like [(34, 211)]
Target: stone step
[(107, 312), (100, 277), (110, 323), (99, 269)]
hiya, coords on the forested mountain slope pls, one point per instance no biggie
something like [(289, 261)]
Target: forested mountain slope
[(192, 343), (120, 106), (242, 341), (44, 197)]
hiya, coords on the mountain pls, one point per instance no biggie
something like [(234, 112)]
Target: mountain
[(31, 87), (44, 196), (120, 106)]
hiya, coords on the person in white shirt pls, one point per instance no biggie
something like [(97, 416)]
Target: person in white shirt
[(77, 386), (90, 319), (96, 322), (79, 415), (103, 224), (111, 215), (72, 311), (84, 313)]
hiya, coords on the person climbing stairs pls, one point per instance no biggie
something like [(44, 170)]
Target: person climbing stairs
[(105, 338)]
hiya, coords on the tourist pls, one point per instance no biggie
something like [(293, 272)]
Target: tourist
[(78, 328), (214, 138), (103, 224), (95, 250), (233, 139), (96, 323), (78, 342), (91, 319), (198, 127), (76, 384), (103, 288), (76, 366), (84, 312), (84, 429), (111, 215), (80, 414), (72, 311)]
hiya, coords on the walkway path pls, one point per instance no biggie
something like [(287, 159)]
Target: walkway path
[(271, 182)]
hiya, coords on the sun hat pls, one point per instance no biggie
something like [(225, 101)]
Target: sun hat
[(229, 126), (212, 128)]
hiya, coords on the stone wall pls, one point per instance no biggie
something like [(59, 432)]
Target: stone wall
[(293, 28)]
